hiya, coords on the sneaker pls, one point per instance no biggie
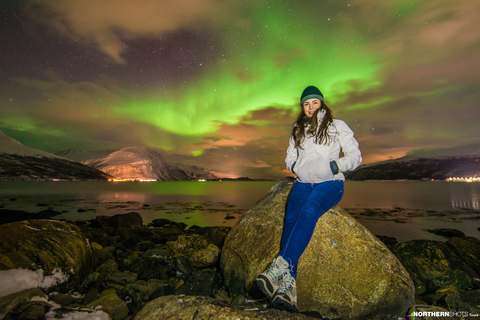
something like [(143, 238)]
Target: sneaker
[(286, 296), (269, 281)]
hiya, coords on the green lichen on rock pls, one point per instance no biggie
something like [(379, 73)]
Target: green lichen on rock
[(344, 272), (45, 244)]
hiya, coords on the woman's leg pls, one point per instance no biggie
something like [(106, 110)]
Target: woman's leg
[(322, 198), (297, 198)]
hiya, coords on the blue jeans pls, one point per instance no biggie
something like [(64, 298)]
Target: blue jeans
[(306, 203)]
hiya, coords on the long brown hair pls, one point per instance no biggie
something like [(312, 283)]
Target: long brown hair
[(319, 131)]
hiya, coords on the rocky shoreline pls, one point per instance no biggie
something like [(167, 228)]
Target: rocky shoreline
[(129, 270)]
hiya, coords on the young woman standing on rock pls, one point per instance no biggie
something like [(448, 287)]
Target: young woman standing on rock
[(314, 156)]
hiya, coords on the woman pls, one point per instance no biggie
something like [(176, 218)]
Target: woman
[(314, 156)]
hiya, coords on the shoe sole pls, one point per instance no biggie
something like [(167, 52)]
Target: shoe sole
[(281, 303), (265, 286)]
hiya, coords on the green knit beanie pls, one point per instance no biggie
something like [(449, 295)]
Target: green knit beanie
[(311, 92)]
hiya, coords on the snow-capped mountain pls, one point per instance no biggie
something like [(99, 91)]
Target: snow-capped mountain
[(141, 163), (79, 155), (18, 162), (426, 164), (12, 146)]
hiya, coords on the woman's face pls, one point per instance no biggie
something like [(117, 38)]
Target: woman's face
[(310, 106)]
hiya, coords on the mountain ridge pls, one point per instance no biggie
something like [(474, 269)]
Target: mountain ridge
[(19, 162), (142, 163), (12, 146), (139, 162), (418, 168)]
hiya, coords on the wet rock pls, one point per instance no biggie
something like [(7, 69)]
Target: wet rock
[(8, 215), (446, 232), (469, 248), (12, 301), (425, 309), (46, 245), (111, 304), (107, 268), (76, 313), (131, 220), (126, 259), (436, 263), (433, 299), (464, 301), (148, 267), (121, 278), (132, 299), (182, 268), (215, 235), (31, 310), (97, 235), (445, 290), (202, 283), (229, 217), (197, 249), (45, 214), (96, 246), (163, 235), (144, 290), (91, 295), (129, 238), (93, 280), (63, 299), (192, 307), (144, 245), (160, 223), (162, 287), (388, 241), (100, 222), (344, 272), (104, 254)]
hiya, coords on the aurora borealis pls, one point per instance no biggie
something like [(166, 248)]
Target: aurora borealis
[(216, 83)]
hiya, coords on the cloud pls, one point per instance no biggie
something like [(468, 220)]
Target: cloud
[(255, 147), (106, 24)]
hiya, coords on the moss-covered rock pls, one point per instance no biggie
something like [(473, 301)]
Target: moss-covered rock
[(111, 304), (197, 249), (12, 301), (181, 307), (344, 272), (436, 263), (46, 245)]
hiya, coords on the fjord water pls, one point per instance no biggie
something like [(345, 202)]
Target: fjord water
[(403, 208)]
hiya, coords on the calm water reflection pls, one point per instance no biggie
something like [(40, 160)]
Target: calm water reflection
[(209, 203), (424, 195)]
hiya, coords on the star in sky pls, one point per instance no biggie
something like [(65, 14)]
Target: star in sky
[(217, 83)]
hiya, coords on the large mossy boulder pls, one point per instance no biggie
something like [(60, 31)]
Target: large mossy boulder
[(184, 307), (49, 245), (197, 249), (436, 264), (345, 272)]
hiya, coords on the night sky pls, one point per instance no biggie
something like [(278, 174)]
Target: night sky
[(216, 83)]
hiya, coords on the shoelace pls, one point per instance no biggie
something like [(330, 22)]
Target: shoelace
[(277, 272), (287, 283)]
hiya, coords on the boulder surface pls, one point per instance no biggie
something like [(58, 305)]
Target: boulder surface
[(181, 307), (45, 244), (345, 271), (436, 263)]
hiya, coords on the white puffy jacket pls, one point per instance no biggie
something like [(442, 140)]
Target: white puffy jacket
[(311, 163)]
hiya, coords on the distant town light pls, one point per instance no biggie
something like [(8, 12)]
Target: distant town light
[(464, 179), (131, 180)]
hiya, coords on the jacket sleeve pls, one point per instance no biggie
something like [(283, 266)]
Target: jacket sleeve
[(352, 155), (291, 155)]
